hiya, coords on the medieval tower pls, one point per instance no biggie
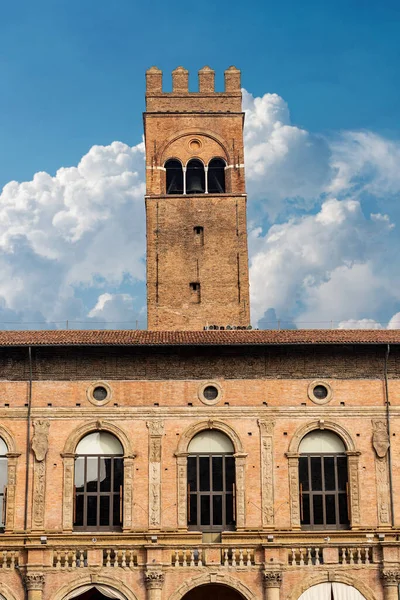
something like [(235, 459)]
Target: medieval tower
[(197, 262)]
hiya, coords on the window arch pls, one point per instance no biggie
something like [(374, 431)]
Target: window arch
[(195, 177), (211, 482), (98, 482), (174, 176), (216, 176), (3, 481), (323, 481)]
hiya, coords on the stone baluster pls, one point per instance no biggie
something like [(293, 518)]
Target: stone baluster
[(317, 560), (248, 552)]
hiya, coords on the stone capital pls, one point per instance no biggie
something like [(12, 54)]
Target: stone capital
[(390, 577), (34, 581), (154, 580), (272, 579)]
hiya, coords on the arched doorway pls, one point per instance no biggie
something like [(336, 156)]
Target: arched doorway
[(332, 591), (213, 591)]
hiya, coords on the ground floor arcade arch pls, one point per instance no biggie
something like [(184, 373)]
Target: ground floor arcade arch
[(213, 591)]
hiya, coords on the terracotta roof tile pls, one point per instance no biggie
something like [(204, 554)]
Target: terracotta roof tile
[(197, 338)]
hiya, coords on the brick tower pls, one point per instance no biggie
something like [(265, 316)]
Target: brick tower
[(197, 262)]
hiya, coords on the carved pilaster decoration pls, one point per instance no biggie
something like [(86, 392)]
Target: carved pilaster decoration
[(128, 493), (68, 491), (181, 468), (294, 491), (267, 471), (390, 578), (34, 581), (272, 579), (154, 580), (380, 442), (40, 445), (240, 464), (156, 431), (12, 458), (352, 463)]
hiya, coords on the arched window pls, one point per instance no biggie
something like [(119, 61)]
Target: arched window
[(195, 177), (3, 481), (216, 176), (211, 482), (323, 481), (174, 177), (98, 482)]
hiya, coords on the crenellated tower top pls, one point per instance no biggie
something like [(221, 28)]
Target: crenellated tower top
[(181, 99)]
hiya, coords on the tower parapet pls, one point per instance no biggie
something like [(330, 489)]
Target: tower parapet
[(181, 99)]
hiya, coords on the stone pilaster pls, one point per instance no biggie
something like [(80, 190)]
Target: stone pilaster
[(154, 581), (294, 490), (267, 472), (12, 458), (156, 431), (352, 462), (272, 581), (181, 466), (240, 465), (34, 583)]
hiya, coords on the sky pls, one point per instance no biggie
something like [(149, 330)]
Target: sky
[(321, 95)]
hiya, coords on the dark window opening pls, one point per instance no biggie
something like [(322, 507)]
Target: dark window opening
[(199, 235), (323, 491), (195, 177), (174, 177), (98, 493), (216, 176), (195, 292), (210, 392), (211, 492), (99, 393), (320, 392)]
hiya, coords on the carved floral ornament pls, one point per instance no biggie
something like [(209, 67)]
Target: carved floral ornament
[(34, 581), (154, 579), (390, 577), (272, 579)]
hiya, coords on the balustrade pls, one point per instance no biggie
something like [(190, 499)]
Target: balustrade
[(237, 557), (9, 559), (187, 558), (117, 557), (70, 559)]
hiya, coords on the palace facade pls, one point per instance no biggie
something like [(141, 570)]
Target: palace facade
[(200, 458)]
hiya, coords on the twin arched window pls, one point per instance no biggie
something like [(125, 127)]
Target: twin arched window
[(98, 486), (195, 178), (323, 480)]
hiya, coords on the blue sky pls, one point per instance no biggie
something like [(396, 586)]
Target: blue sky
[(73, 78)]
